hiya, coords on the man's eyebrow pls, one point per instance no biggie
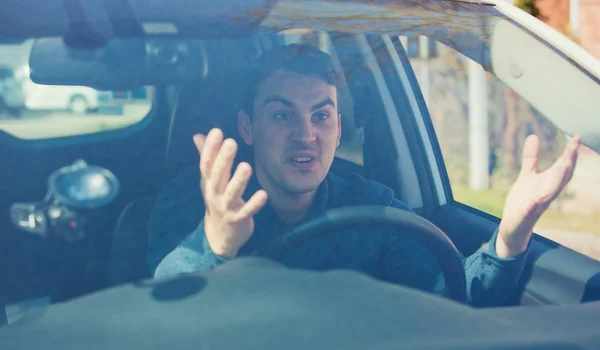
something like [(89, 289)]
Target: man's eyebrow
[(324, 103), (280, 99)]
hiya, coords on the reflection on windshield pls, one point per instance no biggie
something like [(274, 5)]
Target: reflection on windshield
[(375, 140)]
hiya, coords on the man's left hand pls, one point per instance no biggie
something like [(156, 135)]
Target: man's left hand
[(531, 195)]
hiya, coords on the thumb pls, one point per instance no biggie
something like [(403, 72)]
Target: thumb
[(531, 151)]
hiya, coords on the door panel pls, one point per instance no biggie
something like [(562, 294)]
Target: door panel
[(553, 274), (32, 267)]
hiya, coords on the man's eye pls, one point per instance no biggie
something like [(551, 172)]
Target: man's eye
[(281, 116), (321, 116)]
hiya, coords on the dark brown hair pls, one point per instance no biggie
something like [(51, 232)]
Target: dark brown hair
[(299, 58)]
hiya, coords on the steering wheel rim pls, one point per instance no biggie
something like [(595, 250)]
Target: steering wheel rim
[(381, 217)]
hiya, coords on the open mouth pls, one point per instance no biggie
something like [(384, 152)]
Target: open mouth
[(302, 159), (304, 162)]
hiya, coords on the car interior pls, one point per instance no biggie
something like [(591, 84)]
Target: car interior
[(383, 140)]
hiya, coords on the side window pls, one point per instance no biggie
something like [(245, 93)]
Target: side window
[(32, 111), (482, 180), (350, 148)]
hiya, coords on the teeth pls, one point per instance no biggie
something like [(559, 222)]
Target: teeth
[(302, 159)]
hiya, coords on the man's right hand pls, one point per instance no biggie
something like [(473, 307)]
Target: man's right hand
[(228, 222)]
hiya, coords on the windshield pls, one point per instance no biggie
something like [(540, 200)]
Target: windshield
[(422, 103)]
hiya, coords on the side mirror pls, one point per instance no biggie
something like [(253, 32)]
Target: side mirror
[(72, 190)]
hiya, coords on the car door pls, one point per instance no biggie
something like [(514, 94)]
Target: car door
[(130, 145), (549, 87)]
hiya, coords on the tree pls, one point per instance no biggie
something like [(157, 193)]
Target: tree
[(529, 7)]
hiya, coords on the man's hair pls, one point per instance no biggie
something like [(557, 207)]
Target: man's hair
[(298, 58)]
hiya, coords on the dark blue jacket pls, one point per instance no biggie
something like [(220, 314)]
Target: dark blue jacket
[(178, 243)]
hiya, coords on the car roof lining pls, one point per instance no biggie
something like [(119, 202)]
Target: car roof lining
[(115, 18)]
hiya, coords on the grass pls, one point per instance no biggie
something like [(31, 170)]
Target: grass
[(491, 201)]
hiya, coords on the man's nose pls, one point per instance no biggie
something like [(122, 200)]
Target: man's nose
[(304, 131)]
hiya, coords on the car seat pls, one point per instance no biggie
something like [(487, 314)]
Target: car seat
[(196, 110)]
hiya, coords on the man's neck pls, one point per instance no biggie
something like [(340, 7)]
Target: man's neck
[(290, 207)]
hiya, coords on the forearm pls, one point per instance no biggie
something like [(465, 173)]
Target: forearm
[(510, 244)]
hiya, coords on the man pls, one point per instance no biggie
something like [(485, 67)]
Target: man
[(291, 122)]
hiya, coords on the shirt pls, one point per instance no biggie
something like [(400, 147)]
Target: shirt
[(177, 243)]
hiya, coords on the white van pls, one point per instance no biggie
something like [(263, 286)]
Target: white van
[(25, 94), (76, 99)]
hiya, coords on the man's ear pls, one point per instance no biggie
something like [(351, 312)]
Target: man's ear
[(339, 134), (245, 127)]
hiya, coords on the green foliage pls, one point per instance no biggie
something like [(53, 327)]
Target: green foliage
[(528, 6), (491, 201)]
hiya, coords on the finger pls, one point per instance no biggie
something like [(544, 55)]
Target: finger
[(565, 164), (221, 170), (531, 151), (199, 140), (253, 206), (236, 187), (563, 169), (572, 148), (209, 150), (571, 154)]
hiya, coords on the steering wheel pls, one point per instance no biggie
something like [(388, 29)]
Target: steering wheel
[(381, 217)]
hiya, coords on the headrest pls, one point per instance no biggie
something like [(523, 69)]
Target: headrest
[(200, 106)]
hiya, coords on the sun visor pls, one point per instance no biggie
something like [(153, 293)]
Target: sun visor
[(120, 64)]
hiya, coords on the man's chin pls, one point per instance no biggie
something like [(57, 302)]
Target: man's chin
[(301, 186)]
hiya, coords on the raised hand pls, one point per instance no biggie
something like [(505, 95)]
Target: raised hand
[(228, 220), (531, 195)]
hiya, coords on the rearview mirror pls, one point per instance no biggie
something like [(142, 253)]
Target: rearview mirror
[(120, 64)]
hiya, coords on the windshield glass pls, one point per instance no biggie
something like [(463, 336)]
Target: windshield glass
[(395, 105)]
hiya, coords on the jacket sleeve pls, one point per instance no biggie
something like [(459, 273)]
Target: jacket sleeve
[(193, 254), (490, 278)]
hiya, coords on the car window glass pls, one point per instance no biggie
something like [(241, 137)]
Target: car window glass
[(387, 158), (573, 219), (33, 111)]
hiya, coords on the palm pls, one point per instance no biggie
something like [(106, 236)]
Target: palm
[(532, 192), (228, 221), (246, 224)]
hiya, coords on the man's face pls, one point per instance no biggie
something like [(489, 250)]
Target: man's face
[(294, 131)]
